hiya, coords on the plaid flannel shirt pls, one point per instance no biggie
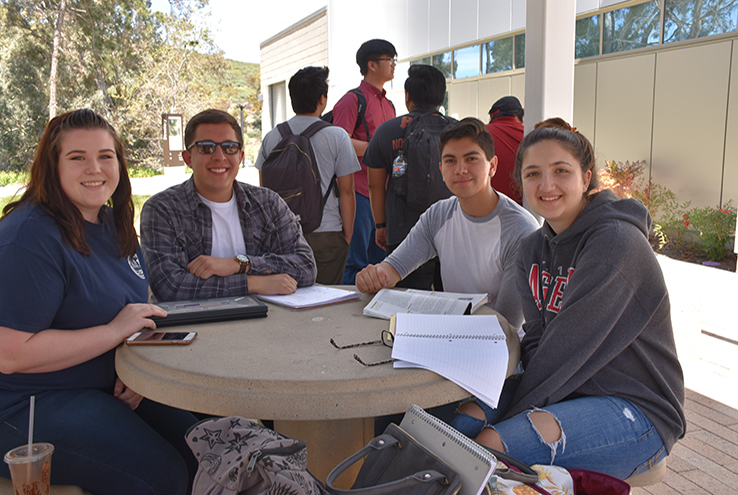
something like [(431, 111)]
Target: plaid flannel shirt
[(176, 228)]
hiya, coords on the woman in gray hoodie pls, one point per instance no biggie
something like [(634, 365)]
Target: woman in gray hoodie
[(602, 388)]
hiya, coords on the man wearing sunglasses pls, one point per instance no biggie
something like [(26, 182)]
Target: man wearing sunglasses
[(213, 236), (377, 61)]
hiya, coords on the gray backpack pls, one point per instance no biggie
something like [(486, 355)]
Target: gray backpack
[(240, 456)]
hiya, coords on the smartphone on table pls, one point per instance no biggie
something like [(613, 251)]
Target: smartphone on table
[(161, 338)]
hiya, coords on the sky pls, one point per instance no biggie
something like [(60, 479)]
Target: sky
[(239, 27)]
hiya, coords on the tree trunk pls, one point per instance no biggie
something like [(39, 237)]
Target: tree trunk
[(55, 58)]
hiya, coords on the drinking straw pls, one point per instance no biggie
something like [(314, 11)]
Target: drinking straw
[(29, 452), (30, 424)]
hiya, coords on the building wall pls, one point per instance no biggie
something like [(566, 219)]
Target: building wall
[(669, 105), (302, 45)]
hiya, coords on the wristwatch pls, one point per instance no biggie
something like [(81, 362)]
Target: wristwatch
[(243, 262), (380, 225)]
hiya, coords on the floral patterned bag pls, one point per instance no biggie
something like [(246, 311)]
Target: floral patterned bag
[(555, 480), (240, 456)]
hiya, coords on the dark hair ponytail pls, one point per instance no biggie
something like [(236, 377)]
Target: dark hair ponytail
[(557, 129)]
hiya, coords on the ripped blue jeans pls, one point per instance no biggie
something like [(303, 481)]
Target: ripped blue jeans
[(601, 433)]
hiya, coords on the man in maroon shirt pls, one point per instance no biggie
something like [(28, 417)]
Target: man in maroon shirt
[(506, 127), (376, 60)]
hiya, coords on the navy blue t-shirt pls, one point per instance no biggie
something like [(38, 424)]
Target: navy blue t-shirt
[(46, 283)]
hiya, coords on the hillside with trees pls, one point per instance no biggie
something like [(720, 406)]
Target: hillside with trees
[(120, 59)]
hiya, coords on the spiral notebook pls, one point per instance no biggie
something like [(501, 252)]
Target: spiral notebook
[(471, 351), (474, 463)]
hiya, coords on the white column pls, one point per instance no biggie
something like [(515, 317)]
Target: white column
[(549, 60)]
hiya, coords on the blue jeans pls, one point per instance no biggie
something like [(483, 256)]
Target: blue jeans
[(103, 446), (600, 433), (363, 249)]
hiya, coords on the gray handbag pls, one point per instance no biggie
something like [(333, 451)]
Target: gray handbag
[(397, 464)]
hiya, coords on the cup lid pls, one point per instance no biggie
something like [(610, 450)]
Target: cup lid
[(19, 455)]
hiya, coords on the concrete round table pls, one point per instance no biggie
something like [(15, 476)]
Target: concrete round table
[(284, 368)]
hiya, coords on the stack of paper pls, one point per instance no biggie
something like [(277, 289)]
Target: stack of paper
[(311, 297), (471, 351), (389, 302)]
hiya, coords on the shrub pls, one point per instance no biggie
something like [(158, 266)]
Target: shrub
[(714, 226), (622, 179), (706, 229), (8, 177), (136, 172)]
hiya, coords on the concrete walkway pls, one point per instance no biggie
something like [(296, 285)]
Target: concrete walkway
[(148, 186)]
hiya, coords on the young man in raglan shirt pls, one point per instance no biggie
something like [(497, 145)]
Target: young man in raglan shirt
[(475, 233), (425, 89), (376, 60)]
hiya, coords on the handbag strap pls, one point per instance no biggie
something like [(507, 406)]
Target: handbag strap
[(379, 443), (525, 473)]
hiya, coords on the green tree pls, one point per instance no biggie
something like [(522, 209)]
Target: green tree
[(116, 57)]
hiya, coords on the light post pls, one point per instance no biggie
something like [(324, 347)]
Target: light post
[(243, 131)]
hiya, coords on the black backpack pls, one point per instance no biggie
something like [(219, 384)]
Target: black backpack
[(291, 171), (420, 149), (361, 110), (360, 116)]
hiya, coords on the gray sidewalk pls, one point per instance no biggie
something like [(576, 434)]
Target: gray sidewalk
[(703, 312)]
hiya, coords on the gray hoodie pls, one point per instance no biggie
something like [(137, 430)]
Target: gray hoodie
[(597, 316)]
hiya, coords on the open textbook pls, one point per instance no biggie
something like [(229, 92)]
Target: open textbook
[(471, 351), (388, 302), (312, 297)]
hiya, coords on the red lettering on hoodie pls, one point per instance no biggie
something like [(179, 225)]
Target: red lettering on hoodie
[(554, 304), (545, 278), (533, 283)]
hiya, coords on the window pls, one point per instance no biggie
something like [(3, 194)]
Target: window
[(632, 27), (442, 62), (497, 56), (520, 51), (688, 19), (278, 103), (587, 40), (421, 61), (466, 62)]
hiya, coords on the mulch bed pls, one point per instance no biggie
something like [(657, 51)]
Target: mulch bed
[(691, 256)]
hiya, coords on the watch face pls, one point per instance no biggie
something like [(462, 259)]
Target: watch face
[(242, 258)]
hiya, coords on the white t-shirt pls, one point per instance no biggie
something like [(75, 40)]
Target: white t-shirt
[(477, 255), (334, 154), (227, 233)]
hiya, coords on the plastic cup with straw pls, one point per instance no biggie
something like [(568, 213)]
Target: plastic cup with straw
[(30, 465)]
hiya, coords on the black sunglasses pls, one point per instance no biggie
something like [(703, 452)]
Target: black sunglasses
[(208, 147)]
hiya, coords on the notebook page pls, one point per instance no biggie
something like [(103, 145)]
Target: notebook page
[(469, 350)]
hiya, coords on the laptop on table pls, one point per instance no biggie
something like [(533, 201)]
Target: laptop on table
[(210, 310)]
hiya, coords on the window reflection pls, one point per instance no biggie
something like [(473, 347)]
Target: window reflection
[(466, 62), (442, 62), (520, 51), (497, 55), (688, 19), (587, 40), (632, 27), (421, 61)]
